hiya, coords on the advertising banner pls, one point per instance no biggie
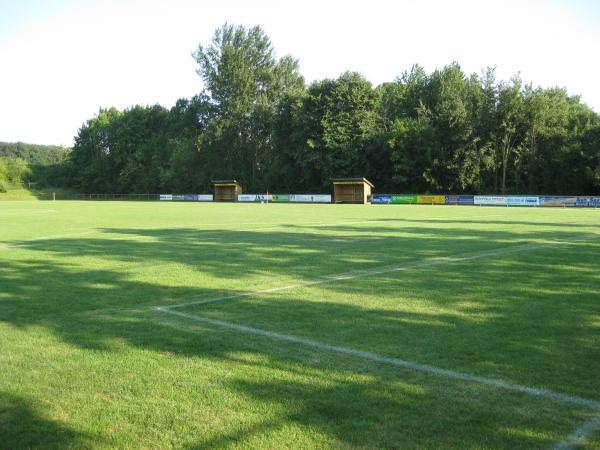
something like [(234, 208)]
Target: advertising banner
[(310, 198), (281, 198), (557, 200), (381, 199), (495, 200), (588, 202), (254, 198), (460, 199), (285, 198), (570, 201), (523, 201), (431, 199), (404, 199), (187, 197)]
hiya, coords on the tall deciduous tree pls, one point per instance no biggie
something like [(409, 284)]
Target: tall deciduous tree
[(245, 82)]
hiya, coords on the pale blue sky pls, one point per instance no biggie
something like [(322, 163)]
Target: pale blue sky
[(61, 60)]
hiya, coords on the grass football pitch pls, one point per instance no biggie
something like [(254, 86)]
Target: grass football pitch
[(189, 326)]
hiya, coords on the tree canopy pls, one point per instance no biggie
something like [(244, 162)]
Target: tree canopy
[(256, 120)]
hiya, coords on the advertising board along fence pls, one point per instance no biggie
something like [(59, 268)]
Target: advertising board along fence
[(394, 199), (490, 200), (570, 201), (506, 200), (285, 198), (460, 199), (431, 199), (564, 201), (186, 197)]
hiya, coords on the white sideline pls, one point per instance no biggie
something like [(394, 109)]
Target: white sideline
[(579, 436), (535, 392), (12, 212), (23, 243), (403, 267)]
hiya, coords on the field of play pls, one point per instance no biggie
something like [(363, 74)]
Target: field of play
[(179, 325)]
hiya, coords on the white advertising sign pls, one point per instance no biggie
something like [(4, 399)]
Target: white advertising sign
[(523, 201), (166, 197), (310, 198), (512, 200), (297, 198), (205, 197), (254, 198), (490, 200)]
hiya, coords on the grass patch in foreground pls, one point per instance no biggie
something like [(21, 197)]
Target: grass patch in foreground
[(86, 363)]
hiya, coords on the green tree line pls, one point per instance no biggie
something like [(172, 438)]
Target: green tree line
[(258, 121), (40, 165)]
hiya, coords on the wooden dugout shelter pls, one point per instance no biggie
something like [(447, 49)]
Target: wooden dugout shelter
[(226, 190), (351, 190)]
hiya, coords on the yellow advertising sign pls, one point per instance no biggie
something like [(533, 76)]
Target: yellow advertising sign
[(431, 199)]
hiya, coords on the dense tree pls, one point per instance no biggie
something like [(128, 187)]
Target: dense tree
[(244, 83), (325, 131), (34, 154), (13, 172), (255, 120), (46, 164)]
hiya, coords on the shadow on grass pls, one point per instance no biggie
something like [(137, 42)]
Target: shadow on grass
[(91, 308), (23, 427), (483, 220), (306, 252)]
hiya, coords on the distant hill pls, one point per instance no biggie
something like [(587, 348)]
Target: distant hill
[(34, 154)]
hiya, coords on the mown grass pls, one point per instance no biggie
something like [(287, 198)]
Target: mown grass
[(87, 363), (34, 193)]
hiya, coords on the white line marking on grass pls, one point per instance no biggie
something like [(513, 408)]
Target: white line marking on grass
[(16, 212), (403, 267), (24, 243), (236, 226), (580, 435), (577, 437), (535, 392)]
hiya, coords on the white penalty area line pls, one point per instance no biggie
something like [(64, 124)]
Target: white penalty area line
[(16, 212), (25, 243), (276, 226), (397, 362), (580, 435), (407, 266)]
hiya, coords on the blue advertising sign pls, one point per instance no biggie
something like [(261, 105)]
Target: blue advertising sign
[(557, 200), (522, 201), (460, 199), (588, 202), (384, 199)]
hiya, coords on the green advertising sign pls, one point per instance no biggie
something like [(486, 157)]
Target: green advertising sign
[(404, 199), (281, 198)]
